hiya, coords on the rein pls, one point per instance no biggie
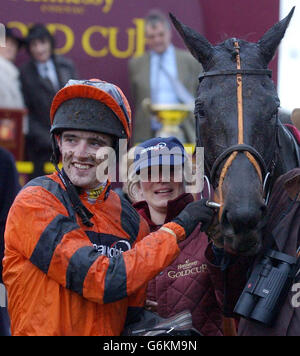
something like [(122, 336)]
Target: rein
[(231, 153)]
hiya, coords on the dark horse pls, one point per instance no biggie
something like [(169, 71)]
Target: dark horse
[(245, 146)]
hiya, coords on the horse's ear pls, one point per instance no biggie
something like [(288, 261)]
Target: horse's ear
[(197, 44), (271, 39)]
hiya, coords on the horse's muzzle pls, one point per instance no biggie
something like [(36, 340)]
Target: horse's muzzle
[(250, 246), (242, 229)]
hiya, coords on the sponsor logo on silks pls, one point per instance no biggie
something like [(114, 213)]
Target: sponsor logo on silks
[(157, 147), (108, 245), (115, 250)]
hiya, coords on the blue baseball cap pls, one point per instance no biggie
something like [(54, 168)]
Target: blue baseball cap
[(165, 151)]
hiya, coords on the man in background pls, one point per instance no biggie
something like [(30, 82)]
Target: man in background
[(10, 87), (42, 76), (165, 74)]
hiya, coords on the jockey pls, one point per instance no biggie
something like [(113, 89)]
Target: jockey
[(77, 257)]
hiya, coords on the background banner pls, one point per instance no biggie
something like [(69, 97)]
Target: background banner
[(101, 35)]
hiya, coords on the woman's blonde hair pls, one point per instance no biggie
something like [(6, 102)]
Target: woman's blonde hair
[(131, 186)]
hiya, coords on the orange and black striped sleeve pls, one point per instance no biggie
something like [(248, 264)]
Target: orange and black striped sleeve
[(43, 228)]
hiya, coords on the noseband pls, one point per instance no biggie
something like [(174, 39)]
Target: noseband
[(230, 153)]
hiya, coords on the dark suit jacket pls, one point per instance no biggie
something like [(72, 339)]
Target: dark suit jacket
[(38, 94), (9, 187), (139, 74)]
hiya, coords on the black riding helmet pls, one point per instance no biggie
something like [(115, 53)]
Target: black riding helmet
[(87, 115), (89, 105)]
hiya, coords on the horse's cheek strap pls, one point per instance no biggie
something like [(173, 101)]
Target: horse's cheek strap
[(221, 180), (255, 164)]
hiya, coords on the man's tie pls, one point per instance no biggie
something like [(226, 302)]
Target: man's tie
[(155, 99), (181, 92), (47, 77)]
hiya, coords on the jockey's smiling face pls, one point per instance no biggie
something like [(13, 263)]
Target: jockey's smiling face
[(78, 150)]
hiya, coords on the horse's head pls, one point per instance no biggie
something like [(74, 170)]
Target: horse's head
[(236, 120)]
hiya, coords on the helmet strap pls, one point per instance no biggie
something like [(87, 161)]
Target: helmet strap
[(55, 151), (84, 213)]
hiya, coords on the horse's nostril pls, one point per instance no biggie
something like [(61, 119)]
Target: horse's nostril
[(243, 220)]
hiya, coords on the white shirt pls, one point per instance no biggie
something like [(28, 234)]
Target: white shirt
[(10, 89), (162, 91)]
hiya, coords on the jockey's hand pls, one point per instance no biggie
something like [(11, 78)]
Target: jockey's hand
[(193, 214)]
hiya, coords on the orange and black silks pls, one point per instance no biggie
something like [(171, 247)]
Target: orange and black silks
[(59, 282)]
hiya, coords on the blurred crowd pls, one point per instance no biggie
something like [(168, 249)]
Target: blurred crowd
[(32, 87), (163, 75)]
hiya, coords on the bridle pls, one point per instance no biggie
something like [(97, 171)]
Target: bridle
[(264, 170), (229, 155)]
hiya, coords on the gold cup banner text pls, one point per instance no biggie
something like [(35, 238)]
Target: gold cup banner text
[(105, 41)]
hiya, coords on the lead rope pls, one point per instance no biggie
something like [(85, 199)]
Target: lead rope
[(229, 324)]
